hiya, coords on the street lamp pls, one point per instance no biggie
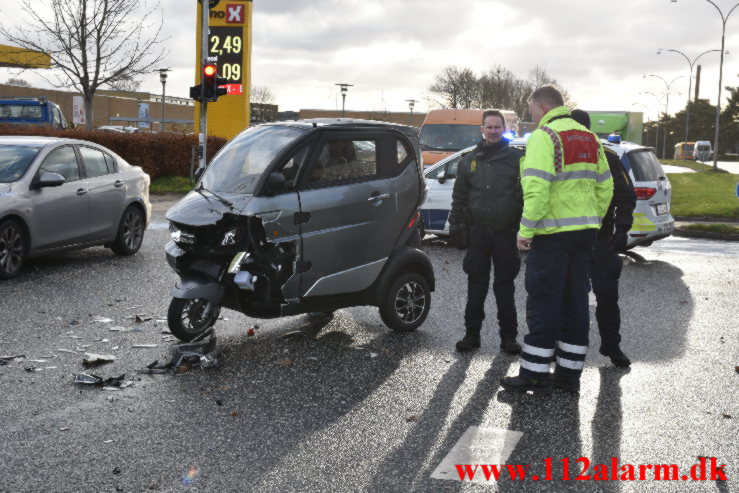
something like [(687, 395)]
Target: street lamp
[(668, 86), (163, 80), (411, 103), (724, 18), (656, 136), (646, 139), (344, 88), (690, 85)]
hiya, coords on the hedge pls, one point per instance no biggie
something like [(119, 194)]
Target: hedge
[(159, 154)]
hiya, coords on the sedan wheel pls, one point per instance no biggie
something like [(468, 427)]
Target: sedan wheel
[(12, 249), (130, 232)]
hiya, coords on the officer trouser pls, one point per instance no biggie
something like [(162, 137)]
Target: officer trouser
[(605, 271), (500, 246), (557, 310)]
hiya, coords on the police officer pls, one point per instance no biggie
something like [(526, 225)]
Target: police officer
[(567, 188), (486, 209), (605, 268)]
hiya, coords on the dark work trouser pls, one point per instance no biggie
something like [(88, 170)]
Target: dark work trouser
[(605, 271), (557, 310), (500, 246)]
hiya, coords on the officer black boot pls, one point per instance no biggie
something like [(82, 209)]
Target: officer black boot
[(470, 341), (510, 346), (563, 382), (524, 384), (618, 358)]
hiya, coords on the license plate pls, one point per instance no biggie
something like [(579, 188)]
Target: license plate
[(662, 209)]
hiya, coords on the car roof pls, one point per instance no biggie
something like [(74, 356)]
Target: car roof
[(352, 123), (39, 141)]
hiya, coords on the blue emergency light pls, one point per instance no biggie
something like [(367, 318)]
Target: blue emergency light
[(614, 139)]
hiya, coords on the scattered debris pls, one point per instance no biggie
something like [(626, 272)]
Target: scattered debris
[(201, 352), (117, 470), (117, 328), (728, 416), (219, 402), (63, 428), (285, 362), (74, 322), (74, 337), (102, 320), (235, 414), (140, 328), (411, 419), (373, 355), (92, 359), (140, 319), (37, 360), (107, 441), (66, 351), (90, 379), (189, 477), (312, 358), (4, 360), (250, 332), (32, 369), (144, 346), (291, 335)]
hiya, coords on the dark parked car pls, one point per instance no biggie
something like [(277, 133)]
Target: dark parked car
[(300, 217), (62, 194)]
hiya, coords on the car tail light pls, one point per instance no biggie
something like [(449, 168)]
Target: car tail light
[(413, 221), (644, 193)]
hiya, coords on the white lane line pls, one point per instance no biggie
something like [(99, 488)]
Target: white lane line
[(478, 446)]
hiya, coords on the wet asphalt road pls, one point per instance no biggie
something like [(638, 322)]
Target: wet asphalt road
[(361, 408)]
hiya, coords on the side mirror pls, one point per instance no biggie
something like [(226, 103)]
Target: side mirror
[(441, 177), (48, 179), (275, 183), (198, 174)]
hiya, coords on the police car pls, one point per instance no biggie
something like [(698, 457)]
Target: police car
[(652, 219)]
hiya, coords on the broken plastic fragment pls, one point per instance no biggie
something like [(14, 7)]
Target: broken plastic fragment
[(92, 359), (65, 351), (250, 332), (284, 362), (4, 360), (102, 320), (144, 346), (89, 379), (117, 328)]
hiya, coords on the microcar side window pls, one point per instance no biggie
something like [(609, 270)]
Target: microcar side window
[(343, 160)]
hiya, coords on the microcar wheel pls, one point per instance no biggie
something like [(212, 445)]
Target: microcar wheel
[(12, 249), (186, 318), (130, 232), (407, 303)]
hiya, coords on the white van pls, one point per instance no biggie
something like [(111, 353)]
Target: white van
[(702, 151)]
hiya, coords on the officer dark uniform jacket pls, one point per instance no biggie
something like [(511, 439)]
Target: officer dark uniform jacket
[(487, 198), (606, 265)]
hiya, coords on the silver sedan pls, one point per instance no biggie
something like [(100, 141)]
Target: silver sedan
[(61, 194)]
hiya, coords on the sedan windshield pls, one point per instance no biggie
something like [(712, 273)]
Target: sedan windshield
[(14, 161), (238, 166), (449, 137)]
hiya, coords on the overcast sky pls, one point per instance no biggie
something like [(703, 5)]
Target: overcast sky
[(392, 49)]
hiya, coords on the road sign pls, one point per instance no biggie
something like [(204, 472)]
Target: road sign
[(229, 48)]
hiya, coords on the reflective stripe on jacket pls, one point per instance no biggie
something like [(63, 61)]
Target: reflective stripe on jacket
[(567, 185)]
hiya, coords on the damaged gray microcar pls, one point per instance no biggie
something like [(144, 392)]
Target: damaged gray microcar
[(303, 217)]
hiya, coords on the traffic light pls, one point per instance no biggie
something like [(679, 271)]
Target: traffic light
[(196, 92), (210, 82)]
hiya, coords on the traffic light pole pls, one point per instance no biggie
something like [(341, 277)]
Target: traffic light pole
[(203, 136)]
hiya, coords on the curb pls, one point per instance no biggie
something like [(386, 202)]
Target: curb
[(705, 234), (706, 219)]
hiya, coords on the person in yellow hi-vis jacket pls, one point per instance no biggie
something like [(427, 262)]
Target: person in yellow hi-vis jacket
[(567, 189)]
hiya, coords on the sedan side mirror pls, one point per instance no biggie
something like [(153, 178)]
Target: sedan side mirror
[(441, 177), (275, 183), (48, 179)]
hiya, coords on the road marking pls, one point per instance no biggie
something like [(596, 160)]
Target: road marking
[(478, 446)]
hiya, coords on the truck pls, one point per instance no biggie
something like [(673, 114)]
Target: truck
[(31, 111), (628, 124)]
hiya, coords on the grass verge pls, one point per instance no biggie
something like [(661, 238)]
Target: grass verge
[(704, 195), (695, 165), (712, 228), (171, 184)]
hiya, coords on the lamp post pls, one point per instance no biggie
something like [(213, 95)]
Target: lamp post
[(344, 88), (690, 84), (656, 128), (668, 86), (646, 139), (411, 103), (163, 80), (724, 18)]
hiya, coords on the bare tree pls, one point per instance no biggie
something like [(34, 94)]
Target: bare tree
[(92, 43), (455, 87), (15, 81), (261, 95), (127, 84)]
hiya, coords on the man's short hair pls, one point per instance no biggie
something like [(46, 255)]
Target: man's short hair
[(488, 113), (582, 117), (547, 95)]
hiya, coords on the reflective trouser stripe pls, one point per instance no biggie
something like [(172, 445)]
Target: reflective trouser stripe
[(538, 351), (562, 222), (571, 348), (568, 363), (535, 367)]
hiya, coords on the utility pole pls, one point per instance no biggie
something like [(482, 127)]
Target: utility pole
[(203, 136)]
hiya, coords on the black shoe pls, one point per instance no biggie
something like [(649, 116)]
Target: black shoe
[(618, 358), (470, 341), (524, 384), (510, 346), (566, 384)]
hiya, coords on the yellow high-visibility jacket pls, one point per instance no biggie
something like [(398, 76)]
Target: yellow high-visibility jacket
[(567, 185)]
